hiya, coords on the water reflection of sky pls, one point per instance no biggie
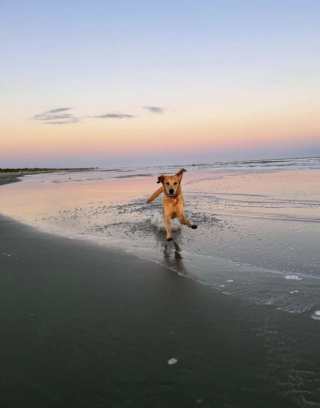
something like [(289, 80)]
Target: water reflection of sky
[(254, 227)]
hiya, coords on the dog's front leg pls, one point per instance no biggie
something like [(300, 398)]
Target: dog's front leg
[(168, 229), (155, 194), (183, 220)]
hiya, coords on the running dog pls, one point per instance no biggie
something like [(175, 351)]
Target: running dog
[(173, 202)]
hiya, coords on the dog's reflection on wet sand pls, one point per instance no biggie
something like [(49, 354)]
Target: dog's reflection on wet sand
[(173, 258)]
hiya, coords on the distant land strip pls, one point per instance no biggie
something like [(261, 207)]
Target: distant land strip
[(43, 169)]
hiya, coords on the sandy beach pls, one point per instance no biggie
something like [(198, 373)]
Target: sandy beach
[(118, 318), (84, 326)]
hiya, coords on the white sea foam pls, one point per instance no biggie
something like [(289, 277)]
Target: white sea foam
[(292, 277), (316, 315), (172, 361), (158, 222)]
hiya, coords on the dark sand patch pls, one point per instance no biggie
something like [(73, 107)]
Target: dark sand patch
[(8, 178)]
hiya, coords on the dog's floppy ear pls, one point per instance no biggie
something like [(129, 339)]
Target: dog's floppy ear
[(180, 173), (160, 179)]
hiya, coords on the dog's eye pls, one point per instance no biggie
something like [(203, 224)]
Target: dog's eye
[(175, 183), (167, 184)]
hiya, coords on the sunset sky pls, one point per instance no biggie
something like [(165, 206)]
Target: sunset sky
[(131, 82)]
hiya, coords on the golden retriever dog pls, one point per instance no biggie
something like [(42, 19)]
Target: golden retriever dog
[(173, 202)]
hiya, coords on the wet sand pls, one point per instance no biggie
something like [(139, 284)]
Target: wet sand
[(86, 326), (6, 178)]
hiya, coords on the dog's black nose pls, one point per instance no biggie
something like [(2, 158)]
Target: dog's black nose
[(171, 191)]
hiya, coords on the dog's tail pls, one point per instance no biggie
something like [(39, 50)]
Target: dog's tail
[(155, 194)]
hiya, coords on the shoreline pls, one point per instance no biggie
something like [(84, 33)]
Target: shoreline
[(90, 326), (246, 253)]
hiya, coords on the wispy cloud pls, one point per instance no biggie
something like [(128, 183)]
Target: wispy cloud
[(58, 110), (56, 117), (115, 116), (154, 109), (62, 116)]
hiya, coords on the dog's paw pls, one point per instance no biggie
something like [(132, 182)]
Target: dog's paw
[(169, 239), (194, 226)]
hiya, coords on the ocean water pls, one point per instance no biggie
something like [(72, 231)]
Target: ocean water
[(258, 233)]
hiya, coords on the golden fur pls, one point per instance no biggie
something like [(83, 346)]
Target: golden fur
[(173, 202)]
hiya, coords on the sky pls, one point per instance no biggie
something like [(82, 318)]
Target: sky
[(131, 82)]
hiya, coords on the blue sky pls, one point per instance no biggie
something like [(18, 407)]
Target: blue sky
[(218, 70)]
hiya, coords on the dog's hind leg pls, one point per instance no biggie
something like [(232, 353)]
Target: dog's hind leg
[(183, 220), (168, 229), (155, 194)]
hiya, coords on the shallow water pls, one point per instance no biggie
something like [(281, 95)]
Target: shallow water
[(258, 223)]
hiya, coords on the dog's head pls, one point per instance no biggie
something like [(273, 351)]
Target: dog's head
[(171, 184)]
